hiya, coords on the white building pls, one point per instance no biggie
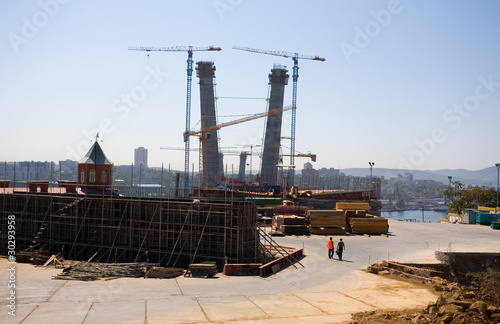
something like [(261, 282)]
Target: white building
[(141, 157)]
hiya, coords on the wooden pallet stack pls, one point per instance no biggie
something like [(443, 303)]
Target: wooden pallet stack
[(206, 269), (352, 206), (37, 257), (359, 221), (352, 210), (290, 224), (163, 272), (369, 225), (328, 222)]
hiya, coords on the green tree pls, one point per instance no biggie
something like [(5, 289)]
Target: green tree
[(461, 197)]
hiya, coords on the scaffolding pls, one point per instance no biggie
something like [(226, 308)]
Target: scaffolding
[(164, 231)]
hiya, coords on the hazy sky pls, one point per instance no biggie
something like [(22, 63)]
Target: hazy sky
[(406, 84)]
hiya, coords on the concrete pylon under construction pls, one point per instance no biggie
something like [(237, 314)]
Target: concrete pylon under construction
[(210, 146), (278, 78), (241, 169)]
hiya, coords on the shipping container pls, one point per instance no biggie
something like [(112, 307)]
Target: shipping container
[(483, 218)]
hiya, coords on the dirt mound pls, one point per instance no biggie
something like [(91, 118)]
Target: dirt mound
[(470, 292), (479, 272), (486, 284)]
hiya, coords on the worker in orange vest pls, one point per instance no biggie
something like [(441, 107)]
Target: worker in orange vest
[(329, 246)]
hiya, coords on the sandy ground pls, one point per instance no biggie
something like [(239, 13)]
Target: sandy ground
[(320, 291)]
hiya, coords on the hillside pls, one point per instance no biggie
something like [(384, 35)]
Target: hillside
[(487, 176)]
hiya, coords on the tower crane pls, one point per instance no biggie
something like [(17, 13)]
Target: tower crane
[(242, 154), (189, 50), (235, 152), (202, 133), (309, 155), (295, 57)]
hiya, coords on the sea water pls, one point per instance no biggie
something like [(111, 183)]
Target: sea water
[(415, 215)]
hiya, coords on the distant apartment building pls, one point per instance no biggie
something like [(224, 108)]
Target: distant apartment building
[(28, 170), (407, 176), (141, 172), (141, 157), (310, 177), (321, 179), (68, 166), (329, 172)]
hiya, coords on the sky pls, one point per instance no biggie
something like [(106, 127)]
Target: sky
[(405, 84)]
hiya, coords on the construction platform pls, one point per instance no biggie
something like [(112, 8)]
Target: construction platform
[(166, 232)]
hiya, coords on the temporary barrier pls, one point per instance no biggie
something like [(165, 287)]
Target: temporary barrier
[(248, 269)]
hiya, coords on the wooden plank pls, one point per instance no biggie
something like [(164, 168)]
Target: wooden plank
[(352, 206), (49, 260)]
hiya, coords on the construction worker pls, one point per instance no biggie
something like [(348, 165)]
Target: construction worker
[(340, 248), (329, 246)]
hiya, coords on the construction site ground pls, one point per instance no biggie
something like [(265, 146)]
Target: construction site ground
[(322, 291)]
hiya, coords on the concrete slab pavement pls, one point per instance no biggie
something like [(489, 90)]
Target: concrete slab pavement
[(323, 291), (175, 310)]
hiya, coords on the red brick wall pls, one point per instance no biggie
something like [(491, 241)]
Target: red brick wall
[(98, 168)]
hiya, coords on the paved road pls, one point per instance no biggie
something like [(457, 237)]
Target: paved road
[(323, 291)]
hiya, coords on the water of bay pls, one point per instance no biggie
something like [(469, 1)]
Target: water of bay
[(415, 215)]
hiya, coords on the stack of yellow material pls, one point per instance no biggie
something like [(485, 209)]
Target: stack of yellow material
[(326, 221), (353, 210), (369, 225), (360, 213), (352, 206), (290, 224)]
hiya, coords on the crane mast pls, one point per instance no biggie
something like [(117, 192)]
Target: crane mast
[(189, 70), (188, 117), (295, 76)]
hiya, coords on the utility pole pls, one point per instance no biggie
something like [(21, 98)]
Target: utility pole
[(140, 178), (449, 186), (371, 170), (498, 171)]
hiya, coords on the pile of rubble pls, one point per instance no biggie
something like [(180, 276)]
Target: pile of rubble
[(478, 302), (459, 307), (94, 271), (454, 305), (86, 271), (37, 257)]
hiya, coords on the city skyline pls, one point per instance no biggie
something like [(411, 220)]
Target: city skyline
[(407, 84)]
